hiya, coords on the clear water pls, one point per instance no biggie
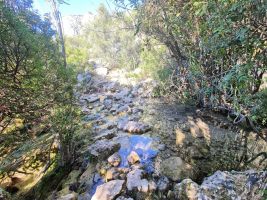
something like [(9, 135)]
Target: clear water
[(142, 146)]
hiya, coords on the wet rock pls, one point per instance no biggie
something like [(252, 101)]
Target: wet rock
[(175, 169), (101, 149), (163, 183), (135, 181), (134, 127), (187, 189), (133, 157), (109, 190), (114, 159), (161, 147), (72, 196)]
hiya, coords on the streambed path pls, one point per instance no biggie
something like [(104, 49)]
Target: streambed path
[(153, 148)]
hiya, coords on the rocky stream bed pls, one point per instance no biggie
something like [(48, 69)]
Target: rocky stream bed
[(152, 148)]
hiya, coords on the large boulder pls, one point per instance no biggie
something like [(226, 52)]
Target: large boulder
[(175, 169), (225, 185), (86, 180), (109, 190), (135, 181), (101, 149)]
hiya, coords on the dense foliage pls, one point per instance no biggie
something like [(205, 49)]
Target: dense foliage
[(219, 47), (33, 84), (213, 53)]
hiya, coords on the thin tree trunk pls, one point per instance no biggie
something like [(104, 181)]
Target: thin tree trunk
[(58, 20)]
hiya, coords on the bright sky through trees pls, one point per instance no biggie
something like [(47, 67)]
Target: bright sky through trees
[(76, 7)]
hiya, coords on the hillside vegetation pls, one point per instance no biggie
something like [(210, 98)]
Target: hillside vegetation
[(208, 55)]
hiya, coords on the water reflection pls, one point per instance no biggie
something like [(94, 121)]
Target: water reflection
[(98, 180), (142, 146)]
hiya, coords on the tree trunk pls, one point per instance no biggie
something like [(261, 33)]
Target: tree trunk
[(58, 21)]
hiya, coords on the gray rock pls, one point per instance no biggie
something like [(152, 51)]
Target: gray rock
[(137, 110), (175, 169), (92, 99), (106, 134), (187, 189), (122, 94), (161, 147), (124, 198), (124, 108), (114, 108), (86, 180), (127, 100), (101, 149), (133, 127), (152, 186), (224, 185), (114, 159), (112, 86), (92, 117), (111, 125), (163, 183), (109, 190), (84, 78), (108, 103), (135, 181), (84, 196)]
